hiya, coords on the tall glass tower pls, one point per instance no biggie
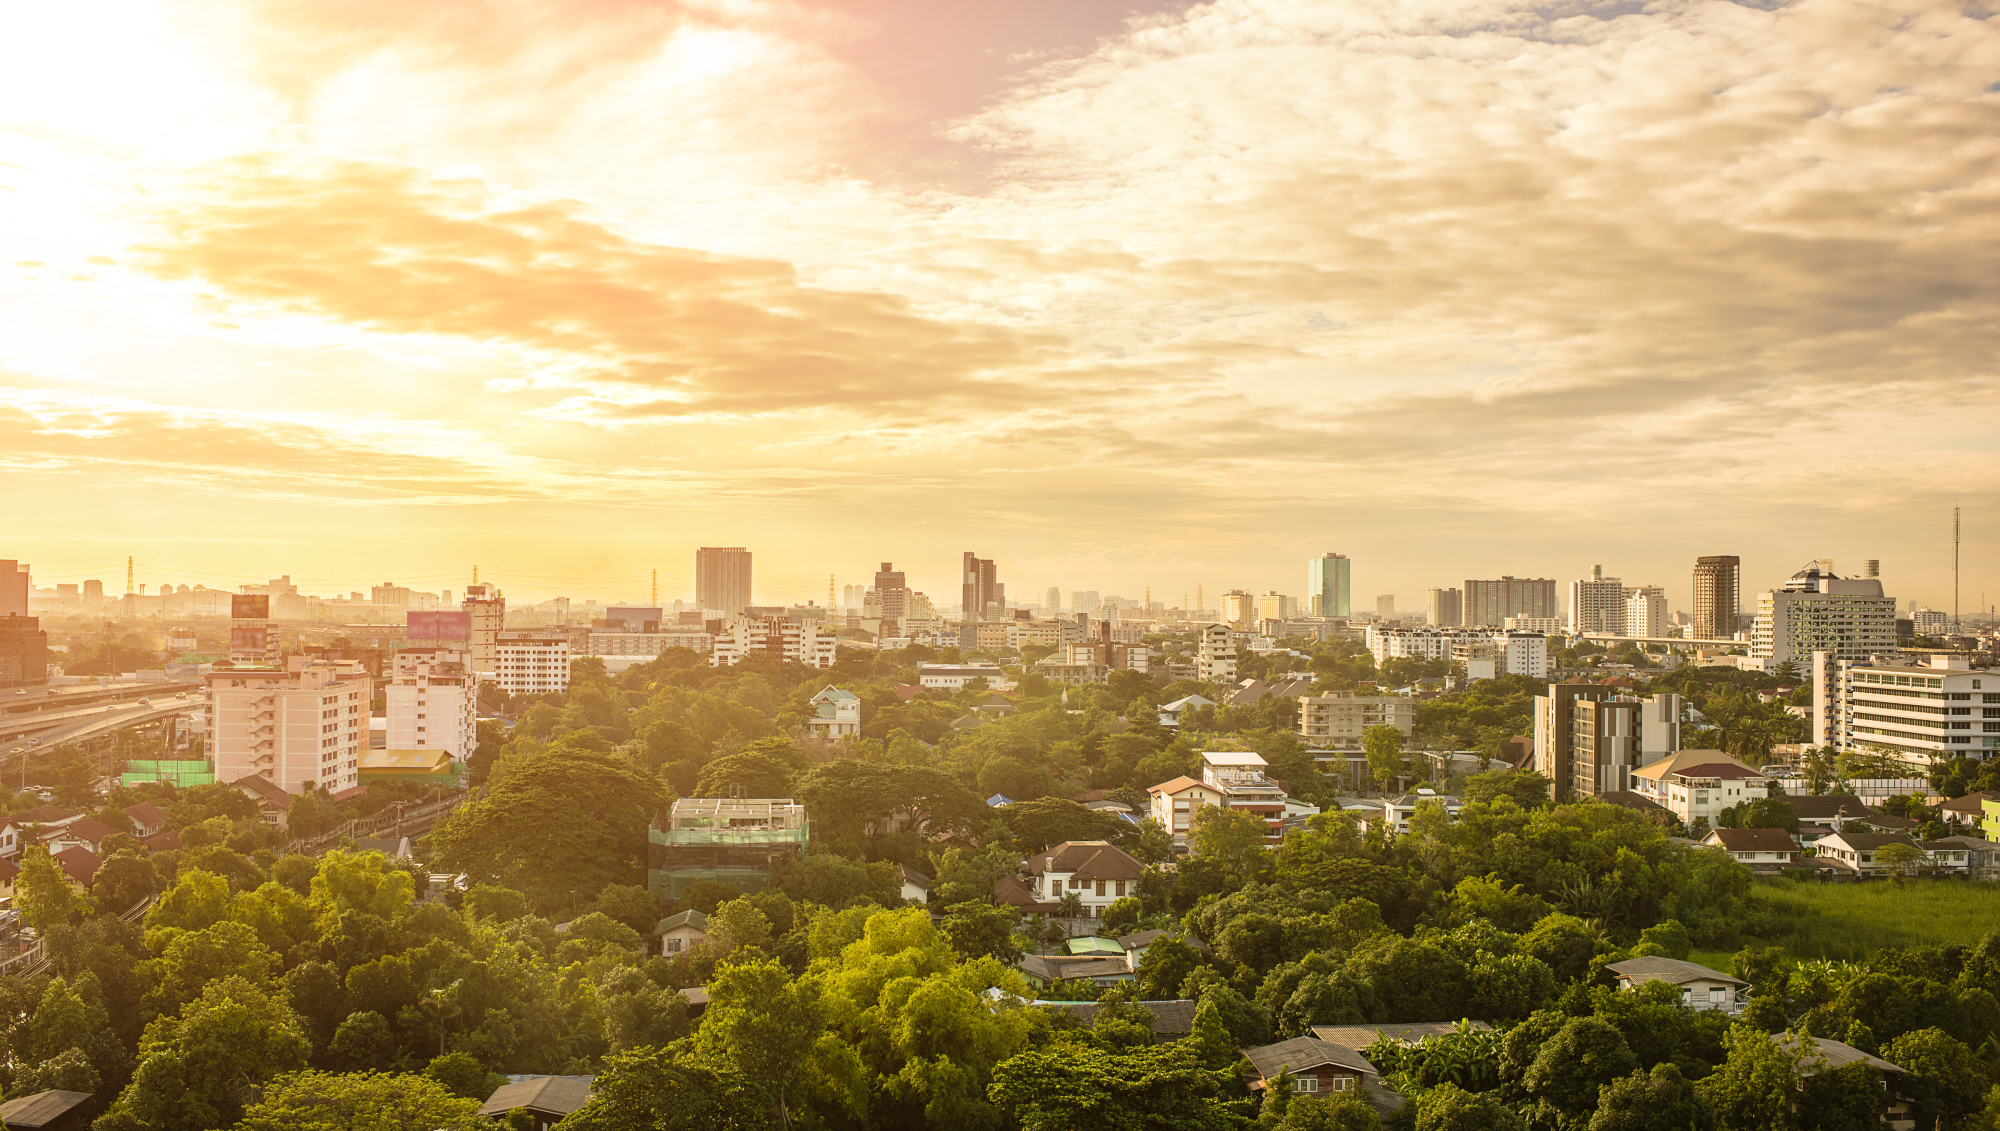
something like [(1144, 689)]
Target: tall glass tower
[(1327, 585)]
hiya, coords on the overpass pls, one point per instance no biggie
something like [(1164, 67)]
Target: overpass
[(47, 711), (1670, 641)]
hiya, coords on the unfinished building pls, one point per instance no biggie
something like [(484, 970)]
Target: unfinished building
[(735, 841)]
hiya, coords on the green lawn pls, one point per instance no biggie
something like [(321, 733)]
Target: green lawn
[(1852, 920)]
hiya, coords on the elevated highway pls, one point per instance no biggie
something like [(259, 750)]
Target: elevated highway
[(47, 711)]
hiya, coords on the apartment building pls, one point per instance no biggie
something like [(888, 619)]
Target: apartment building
[(1231, 778), (798, 642), (1337, 721), (1590, 741), (1492, 602), (488, 610), (432, 701), (1597, 603), (1445, 608), (622, 648), (1699, 784), (1215, 656), (1514, 653), (1239, 608), (301, 727), (1946, 709), (722, 579), (1646, 613), (1717, 596), (1328, 582), (1819, 611), (532, 662)]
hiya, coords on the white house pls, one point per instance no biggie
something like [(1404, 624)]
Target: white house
[(1699, 784), (1701, 988), (836, 714), (681, 932), (952, 677), (1097, 872)]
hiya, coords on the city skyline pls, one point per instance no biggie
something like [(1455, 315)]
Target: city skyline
[(367, 292)]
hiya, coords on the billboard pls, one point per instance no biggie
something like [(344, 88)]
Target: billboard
[(250, 606), (183, 671), (438, 627), (249, 638)]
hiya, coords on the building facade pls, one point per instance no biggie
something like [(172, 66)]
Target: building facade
[(431, 699), (836, 714), (24, 652), (1646, 613), (488, 610), (1215, 655), (532, 662), (722, 579), (798, 642), (1697, 785), (1239, 608), (1492, 602), (298, 728), (981, 594), (1819, 611), (1328, 584), (1513, 653), (1597, 604), (1337, 721), (1718, 595), (1613, 738), (1445, 608), (1948, 709)]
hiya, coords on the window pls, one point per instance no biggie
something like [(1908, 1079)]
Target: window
[(1306, 1083), (1343, 1083), (673, 946), (1717, 995)]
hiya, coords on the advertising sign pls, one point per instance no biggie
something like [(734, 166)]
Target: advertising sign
[(250, 606), (442, 627), (249, 638)]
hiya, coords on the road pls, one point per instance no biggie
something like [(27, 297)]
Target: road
[(37, 713)]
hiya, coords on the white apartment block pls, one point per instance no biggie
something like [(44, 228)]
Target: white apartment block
[(1646, 612), (489, 616), (1817, 611), (1514, 653), (791, 641), (955, 677), (1947, 709), (1215, 656), (1546, 626), (1337, 721), (532, 663), (621, 650), (302, 727), (1597, 604), (1929, 622), (432, 699)]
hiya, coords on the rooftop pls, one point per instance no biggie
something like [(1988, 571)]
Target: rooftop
[(1674, 970), (1305, 1052)]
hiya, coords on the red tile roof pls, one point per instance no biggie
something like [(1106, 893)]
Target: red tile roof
[(81, 863), (1087, 860), (1755, 840)]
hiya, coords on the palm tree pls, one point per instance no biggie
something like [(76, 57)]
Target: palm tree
[(1070, 906)]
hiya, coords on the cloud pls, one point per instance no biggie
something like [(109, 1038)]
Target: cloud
[(652, 332)]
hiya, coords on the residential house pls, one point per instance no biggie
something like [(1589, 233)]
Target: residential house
[(1947, 856), (88, 832), (1701, 988), (681, 932), (162, 841), (23, 829), (836, 714), (1699, 784), (46, 1111), (916, 886), (1170, 714), (1763, 850), (1982, 857), (1045, 970), (1856, 852), (1250, 692), (1820, 817), (1097, 872), (546, 1099), (8, 871), (273, 803), (1174, 804), (1095, 947), (1896, 1113), (1317, 1067), (147, 819), (79, 864), (1969, 810), (1138, 942), (1396, 812), (1358, 1037)]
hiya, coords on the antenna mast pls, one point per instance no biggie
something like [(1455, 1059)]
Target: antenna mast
[(656, 588), (1954, 571)]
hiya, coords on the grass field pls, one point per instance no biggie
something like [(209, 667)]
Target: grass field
[(1852, 920)]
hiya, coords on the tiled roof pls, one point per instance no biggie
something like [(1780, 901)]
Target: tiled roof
[(1807, 808), (43, 815), (1722, 771), (1174, 786), (264, 791), (1755, 840), (1087, 860), (81, 863), (1838, 1055), (1672, 970), (146, 813), (1969, 804), (40, 1109), (1869, 842), (1301, 1053), (912, 876), (165, 841), (1638, 802), (1361, 1036), (555, 1095), (90, 829)]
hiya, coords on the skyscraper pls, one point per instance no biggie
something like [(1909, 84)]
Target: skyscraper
[(1718, 592), (722, 579), (892, 596), (981, 596), (1597, 603), (1052, 601), (14, 588), (1447, 607), (1492, 602), (1385, 606), (1327, 585)]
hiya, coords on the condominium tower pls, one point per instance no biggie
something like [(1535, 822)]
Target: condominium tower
[(722, 579), (1492, 602), (1327, 584), (1718, 590), (981, 595)]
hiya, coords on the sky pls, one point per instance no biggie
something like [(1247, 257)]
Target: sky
[(1124, 296)]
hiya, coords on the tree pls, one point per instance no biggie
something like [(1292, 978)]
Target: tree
[(738, 923), (1383, 746), (1662, 1100), (462, 1075), (1330, 1113), (765, 1025), (195, 1067), (1052, 820), (44, 893), (558, 821), (630, 904), (1945, 1080), (745, 775), (1122, 916), (123, 880), (661, 1089), (324, 1101), (1234, 838), (1902, 859), (979, 930), (1074, 1087), (1449, 1107), (363, 1041), (1585, 1054), (1526, 788), (1753, 1088)]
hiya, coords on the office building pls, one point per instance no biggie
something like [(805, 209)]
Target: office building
[(15, 587), (1490, 603), (1596, 604), (1052, 602), (1445, 608), (1944, 709), (532, 661), (1215, 655), (298, 728), (1084, 600), (1717, 596), (780, 638), (24, 652), (1239, 609), (1817, 610), (1646, 612), (488, 612), (981, 595), (1275, 606), (1327, 585), (722, 579), (1337, 721), (431, 697), (1385, 606)]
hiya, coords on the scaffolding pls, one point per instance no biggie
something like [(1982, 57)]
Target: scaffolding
[(180, 774), (734, 841)]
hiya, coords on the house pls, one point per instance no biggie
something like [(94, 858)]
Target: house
[(1252, 691), (1969, 810), (87, 832), (1701, 988), (1637, 802), (916, 885), (1095, 947), (1095, 870), (1699, 784), (79, 864), (1398, 811), (147, 818), (1358, 1037), (1890, 823), (1948, 857), (1137, 942), (46, 1111), (1317, 1067), (1982, 857), (1761, 849), (46, 816), (836, 714), (1009, 891), (1233, 778), (546, 1099), (1820, 817), (681, 932), (1856, 852), (273, 803), (23, 829), (1833, 1055), (1170, 714), (8, 872), (1172, 1020), (162, 842), (1045, 970)]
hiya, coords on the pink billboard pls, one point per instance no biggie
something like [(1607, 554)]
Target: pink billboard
[(442, 627)]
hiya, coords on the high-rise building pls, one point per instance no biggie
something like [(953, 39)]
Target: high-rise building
[(722, 579), (1864, 704), (1718, 594), (1819, 611), (1646, 611), (1446, 607), (1239, 608), (14, 588), (250, 642), (432, 700), (1589, 740), (93, 593), (1215, 657), (1597, 604), (488, 610), (1052, 601), (1385, 606), (892, 596), (1276, 606), (981, 595), (301, 727), (1327, 584), (1084, 600), (1492, 602), (532, 661), (24, 652)]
